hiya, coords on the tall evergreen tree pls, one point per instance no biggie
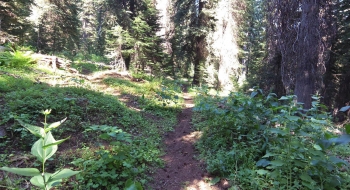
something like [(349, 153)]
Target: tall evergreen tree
[(13, 23), (192, 24), (253, 46), (56, 24), (337, 79), (88, 34), (127, 30)]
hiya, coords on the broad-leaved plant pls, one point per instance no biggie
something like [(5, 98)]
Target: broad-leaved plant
[(43, 149)]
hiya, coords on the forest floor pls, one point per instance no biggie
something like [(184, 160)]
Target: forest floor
[(183, 171)]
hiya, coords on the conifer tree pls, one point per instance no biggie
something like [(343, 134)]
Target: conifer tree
[(135, 41), (56, 24), (253, 44), (13, 23), (192, 24), (337, 77)]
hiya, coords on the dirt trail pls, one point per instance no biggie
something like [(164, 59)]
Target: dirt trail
[(182, 170)]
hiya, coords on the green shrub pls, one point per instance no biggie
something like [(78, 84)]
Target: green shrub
[(275, 142), (15, 59), (110, 166)]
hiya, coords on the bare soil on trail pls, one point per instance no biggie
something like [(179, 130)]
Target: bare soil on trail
[(182, 171)]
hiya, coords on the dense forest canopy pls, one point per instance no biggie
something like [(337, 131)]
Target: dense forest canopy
[(288, 47)]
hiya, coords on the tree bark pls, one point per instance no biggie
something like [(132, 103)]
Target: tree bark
[(308, 73), (199, 40), (198, 59), (1, 17), (38, 40), (132, 8)]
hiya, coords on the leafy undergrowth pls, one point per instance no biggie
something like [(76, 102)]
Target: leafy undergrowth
[(261, 142), (110, 142)]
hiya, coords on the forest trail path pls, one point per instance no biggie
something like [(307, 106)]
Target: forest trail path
[(182, 170)]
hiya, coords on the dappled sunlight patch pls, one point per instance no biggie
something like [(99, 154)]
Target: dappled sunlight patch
[(100, 75), (192, 137), (201, 184), (136, 109), (189, 105)]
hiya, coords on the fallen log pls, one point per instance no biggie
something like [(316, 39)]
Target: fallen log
[(53, 62)]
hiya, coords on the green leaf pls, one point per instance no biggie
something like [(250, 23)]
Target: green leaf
[(65, 173), (49, 151), (94, 127), (278, 131), (268, 154), (317, 147), (263, 163), (304, 134), (305, 177), (104, 136), (42, 153), (335, 181), (338, 161), (343, 109), (315, 97), (318, 121), (307, 181), (55, 143), (343, 139), (347, 129), (270, 96), (35, 130), (132, 185), (54, 125), (262, 172), (215, 181), (37, 149), (329, 135), (277, 163), (22, 171), (253, 94), (293, 118), (39, 181), (284, 98)]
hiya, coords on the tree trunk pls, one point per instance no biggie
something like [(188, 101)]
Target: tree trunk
[(308, 75), (38, 40), (127, 62), (199, 40), (278, 84), (199, 58), (132, 8)]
